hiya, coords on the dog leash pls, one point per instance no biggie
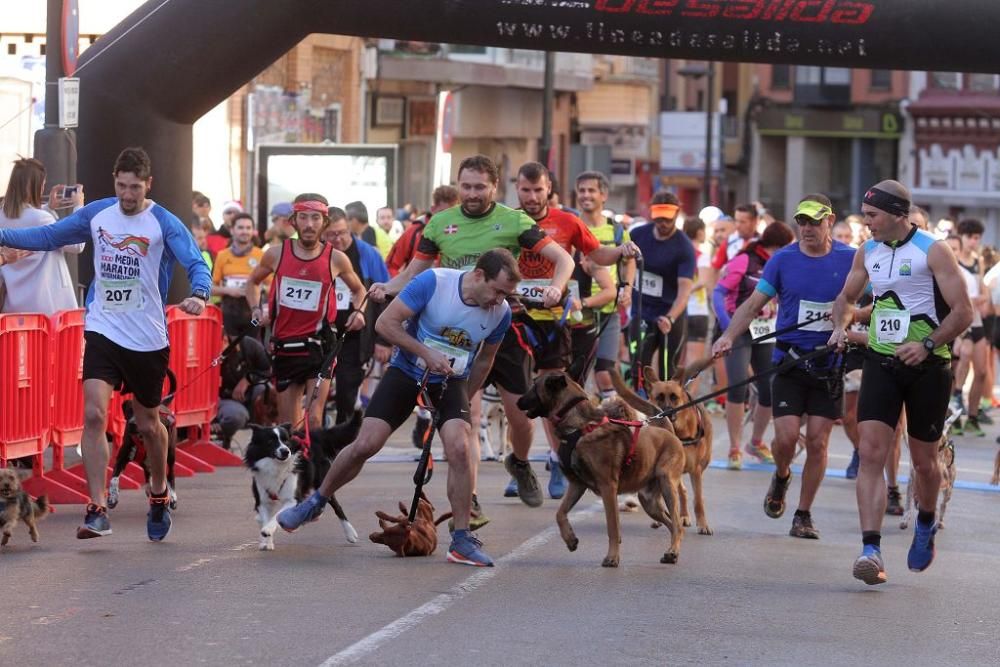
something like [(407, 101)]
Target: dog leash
[(785, 365), (425, 466), (326, 371), (215, 362)]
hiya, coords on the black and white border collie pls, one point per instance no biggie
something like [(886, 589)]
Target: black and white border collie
[(283, 476)]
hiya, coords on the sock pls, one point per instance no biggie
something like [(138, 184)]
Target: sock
[(805, 514), (783, 479), (553, 457), (872, 537), (158, 495), (926, 518), (893, 488), (461, 532)]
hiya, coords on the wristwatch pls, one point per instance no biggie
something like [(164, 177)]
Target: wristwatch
[(200, 294), (929, 345)]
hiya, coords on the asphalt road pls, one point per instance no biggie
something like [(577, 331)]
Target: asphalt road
[(747, 595)]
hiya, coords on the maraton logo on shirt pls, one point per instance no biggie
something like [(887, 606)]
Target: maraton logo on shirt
[(457, 337), (137, 246)]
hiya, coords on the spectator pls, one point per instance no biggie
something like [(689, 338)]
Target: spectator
[(233, 265), (445, 196), (392, 227), (357, 220), (220, 238), (281, 224), (200, 236), (36, 282), (201, 206), (842, 232)]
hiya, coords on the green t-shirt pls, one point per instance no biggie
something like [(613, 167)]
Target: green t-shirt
[(458, 239), (606, 235)]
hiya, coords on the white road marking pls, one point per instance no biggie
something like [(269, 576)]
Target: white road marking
[(205, 561), (441, 603)]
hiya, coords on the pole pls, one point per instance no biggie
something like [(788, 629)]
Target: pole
[(548, 104), (706, 193)]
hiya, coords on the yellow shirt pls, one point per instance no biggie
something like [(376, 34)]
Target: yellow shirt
[(606, 235), (382, 241), (232, 271)]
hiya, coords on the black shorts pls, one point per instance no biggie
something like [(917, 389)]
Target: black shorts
[(295, 362), (797, 392), (697, 328), (140, 373), (887, 386), (396, 396), (556, 349), (975, 334), (511, 366)]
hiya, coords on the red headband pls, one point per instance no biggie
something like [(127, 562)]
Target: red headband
[(311, 205), (668, 211)]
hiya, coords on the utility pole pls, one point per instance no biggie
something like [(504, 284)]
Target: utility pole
[(548, 105), (706, 193)]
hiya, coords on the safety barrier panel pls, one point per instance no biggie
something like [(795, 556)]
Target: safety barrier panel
[(195, 343)]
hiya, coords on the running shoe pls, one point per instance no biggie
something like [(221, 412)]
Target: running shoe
[(985, 404), (557, 481), (466, 549), (984, 418), (307, 511), (114, 492), (774, 501), (759, 450), (972, 427), (158, 521), (921, 553), (956, 428), (894, 506), (527, 484), (869, 567), (95, 523), (511, 490), (852, 467), (802, 526), (735, 460), (714, 408), (477, 520)]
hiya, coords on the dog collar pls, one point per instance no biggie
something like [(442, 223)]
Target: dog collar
[(572, 403)]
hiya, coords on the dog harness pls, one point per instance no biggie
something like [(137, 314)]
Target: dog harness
[(699, 434), (589, 428)]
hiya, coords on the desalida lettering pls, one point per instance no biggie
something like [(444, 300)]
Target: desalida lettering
[(845, 12)]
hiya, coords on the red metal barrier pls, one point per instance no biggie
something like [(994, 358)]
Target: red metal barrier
[(195, 342)]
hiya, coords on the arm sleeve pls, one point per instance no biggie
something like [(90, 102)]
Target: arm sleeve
[(417, 294), (427, 248), (497, 334), (719, 304), (180, 242), (70, 230), (770, 281)]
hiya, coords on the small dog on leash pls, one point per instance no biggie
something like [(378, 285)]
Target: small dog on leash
[(282, 476), (407, 539), (493, 421), (134, 451), (946, 462), (16, 504)]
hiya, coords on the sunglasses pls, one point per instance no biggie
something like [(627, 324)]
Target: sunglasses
[(804, 220)]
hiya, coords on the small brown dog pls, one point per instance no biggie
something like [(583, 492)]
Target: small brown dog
[(16, 504), (946, 463), (410, 539), (692, 426), (609, 458)]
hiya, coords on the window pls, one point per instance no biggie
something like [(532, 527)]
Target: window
[(946, 80), (808, 76), (983, 83), (781, 77), (836, 76), (881, 79)]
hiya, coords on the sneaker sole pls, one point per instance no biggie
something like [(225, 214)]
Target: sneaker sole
[(84, 533), (454, 557), (163, 537), (804, 536), (921, 569), (868, 571)]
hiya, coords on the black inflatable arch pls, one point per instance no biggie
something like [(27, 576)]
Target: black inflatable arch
[(147, 80)]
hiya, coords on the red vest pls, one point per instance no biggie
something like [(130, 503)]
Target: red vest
[(300, 296)]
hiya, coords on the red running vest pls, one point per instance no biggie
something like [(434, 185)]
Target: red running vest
[(300, 302)]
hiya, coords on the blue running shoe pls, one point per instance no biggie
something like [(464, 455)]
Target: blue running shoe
[(922, 549), (557, 481), (466, 549), (869, 567), (307, 511), (852, 467), (95, 523), (511, 490), (158, 521)]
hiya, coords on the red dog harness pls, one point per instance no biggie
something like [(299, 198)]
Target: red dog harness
[(636, 426)]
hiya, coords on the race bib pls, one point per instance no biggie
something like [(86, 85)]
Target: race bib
[(652, 285), (343, 294), (818, 313), (762, 327), (239, 282), (120, 296), (300, 294), (458, 357), (533, 290), (891, 326)]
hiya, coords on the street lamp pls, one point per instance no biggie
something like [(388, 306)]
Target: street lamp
[(696, 72)]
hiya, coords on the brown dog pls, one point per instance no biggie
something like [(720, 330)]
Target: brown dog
[(16, 504), (609, 458), (946, 463), (409, 539), (692, 426)]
